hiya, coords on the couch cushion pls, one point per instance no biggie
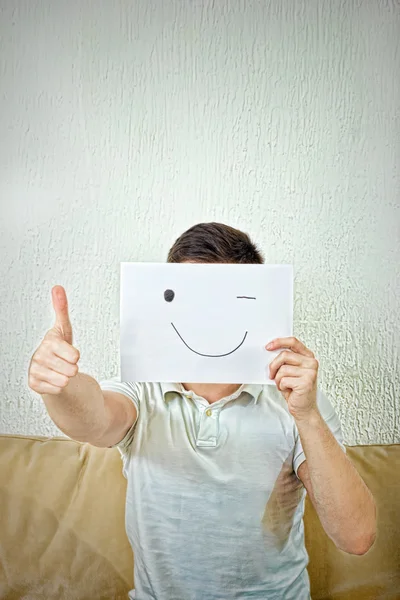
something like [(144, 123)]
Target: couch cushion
[(335, 575), (62, 532), (62, 521)]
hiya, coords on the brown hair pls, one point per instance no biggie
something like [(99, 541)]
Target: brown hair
[(214, 243)]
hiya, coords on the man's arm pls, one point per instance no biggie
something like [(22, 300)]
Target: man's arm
[(87, 414), (343, 502), (75, 401), (340, 497)]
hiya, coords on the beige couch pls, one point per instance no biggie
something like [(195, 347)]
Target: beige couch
[(62, 526)]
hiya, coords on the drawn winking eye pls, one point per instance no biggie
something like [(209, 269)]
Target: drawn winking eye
[(169, 295)]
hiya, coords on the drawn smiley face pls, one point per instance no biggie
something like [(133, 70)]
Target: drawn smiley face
[(169, 296)]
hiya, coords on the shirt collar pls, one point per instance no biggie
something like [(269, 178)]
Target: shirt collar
[(253, 389)]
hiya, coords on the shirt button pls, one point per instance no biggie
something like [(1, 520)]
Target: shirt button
[(208, 413)]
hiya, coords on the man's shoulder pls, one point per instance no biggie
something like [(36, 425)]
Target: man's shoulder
[(270, 394), (133, 388)]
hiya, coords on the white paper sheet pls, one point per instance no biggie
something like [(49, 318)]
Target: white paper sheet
[(202, 322)]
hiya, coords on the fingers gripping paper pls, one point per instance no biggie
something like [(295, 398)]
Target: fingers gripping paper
[(202, 322)]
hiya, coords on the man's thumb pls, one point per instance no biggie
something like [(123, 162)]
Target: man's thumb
[(60, 305)]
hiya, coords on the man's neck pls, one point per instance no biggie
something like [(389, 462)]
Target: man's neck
[(212, 392)]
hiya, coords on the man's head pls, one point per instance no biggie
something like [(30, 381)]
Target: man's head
[(214, 243)]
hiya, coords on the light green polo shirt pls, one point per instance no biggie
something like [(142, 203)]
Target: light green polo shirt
[(214, 507)]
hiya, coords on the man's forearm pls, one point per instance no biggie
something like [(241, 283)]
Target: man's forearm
[(342, 500), (79, 409)]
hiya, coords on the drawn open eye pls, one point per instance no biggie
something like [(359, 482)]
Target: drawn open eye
[(169, 295), (247, 297)]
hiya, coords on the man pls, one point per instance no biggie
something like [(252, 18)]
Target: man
[(217, 473)]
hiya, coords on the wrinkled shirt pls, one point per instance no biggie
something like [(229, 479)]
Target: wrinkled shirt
[(214, 507)]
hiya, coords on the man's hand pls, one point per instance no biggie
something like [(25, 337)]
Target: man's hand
[(295, 372), (55, 361)]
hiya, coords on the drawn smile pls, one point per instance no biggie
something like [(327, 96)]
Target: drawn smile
[(210, 355)]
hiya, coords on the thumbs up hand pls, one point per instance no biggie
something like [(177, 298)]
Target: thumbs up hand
[(55, 361)]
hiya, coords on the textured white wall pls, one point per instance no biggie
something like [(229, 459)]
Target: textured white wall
[(123, 123)]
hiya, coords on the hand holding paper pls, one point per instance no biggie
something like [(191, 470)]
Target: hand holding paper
[(295, 371)]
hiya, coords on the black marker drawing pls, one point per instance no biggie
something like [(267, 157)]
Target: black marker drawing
[(169, 295), (248, 297), (209, 355)]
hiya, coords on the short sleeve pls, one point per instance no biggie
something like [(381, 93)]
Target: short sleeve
[(131, 391), (330, 417)]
